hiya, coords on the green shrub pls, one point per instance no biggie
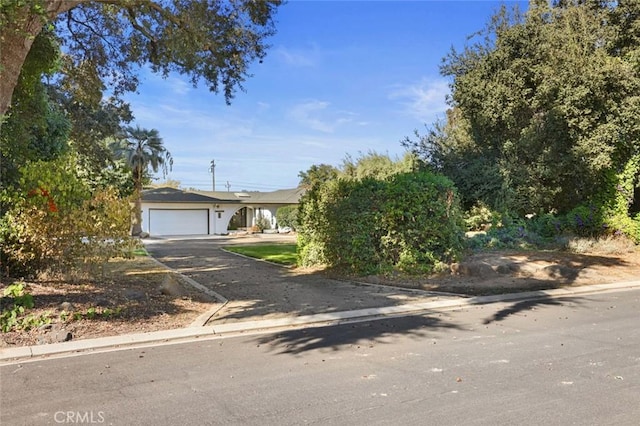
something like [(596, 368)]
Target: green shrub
[(287, 216), (262, 223), (584, 221), (56, 224), (625, 225), (408, 221), (14, 304), (479, 217)]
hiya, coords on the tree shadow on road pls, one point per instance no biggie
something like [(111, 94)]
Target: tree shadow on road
[(529, 304), (362, 334)]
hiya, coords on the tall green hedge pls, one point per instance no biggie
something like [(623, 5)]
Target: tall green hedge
[(410, 222)]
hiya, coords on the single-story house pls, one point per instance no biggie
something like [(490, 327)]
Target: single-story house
[(170, 211)]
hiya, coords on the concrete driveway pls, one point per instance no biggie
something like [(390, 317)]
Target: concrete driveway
[(260, 290)]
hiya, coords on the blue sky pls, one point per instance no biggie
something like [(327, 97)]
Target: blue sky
[(341, 78)]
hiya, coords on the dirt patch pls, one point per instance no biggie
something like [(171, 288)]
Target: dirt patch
[(499, 272), (129, 299)]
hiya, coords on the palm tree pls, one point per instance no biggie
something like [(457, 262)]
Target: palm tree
[(141, 149)]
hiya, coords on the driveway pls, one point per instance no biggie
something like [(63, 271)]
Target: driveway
[(261, 290)]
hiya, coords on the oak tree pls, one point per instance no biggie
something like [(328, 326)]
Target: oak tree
[(105, 41)]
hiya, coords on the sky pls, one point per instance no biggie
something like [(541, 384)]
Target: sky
[(341, 78)]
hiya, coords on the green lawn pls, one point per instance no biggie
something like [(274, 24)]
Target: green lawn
[(283, 254)]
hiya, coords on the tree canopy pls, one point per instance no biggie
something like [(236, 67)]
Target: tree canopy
[(544, 108), (142, 149), (104, 41)]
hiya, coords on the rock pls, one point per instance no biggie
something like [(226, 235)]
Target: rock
[(473, 269), (171, 287), (66, 306), (63, 336), (53, 333), (559, 272), (135, 295), (373, 279), (144, 235), (509, 268), (503, 269)]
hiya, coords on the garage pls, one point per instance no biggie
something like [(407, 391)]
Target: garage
[(178, 221)]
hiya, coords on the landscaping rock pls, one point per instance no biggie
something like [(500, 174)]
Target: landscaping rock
[(171, 287), (66, 306), (53, 333), (560, 272), (473, 269)]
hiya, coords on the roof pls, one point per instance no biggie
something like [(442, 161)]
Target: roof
[(281, 196), (173, 195)]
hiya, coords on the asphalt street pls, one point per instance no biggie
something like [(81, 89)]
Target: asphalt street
[(550, 361)]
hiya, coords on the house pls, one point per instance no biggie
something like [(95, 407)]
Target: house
[(170, 211)]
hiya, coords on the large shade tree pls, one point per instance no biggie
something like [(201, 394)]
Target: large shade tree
[(545, 108), (105, 41), (142, 149)]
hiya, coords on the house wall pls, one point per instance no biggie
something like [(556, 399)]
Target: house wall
[(268, 212), (219, 214)]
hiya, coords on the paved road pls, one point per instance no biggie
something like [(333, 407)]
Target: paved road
[(551, 362), (260, 290)]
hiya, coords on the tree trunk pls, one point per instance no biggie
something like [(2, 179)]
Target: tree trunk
[(16, 38), (137, 214)]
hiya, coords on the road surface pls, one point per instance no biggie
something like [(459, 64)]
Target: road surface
[(550, 362)]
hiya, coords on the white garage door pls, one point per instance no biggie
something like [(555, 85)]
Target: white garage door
[(178, 222)]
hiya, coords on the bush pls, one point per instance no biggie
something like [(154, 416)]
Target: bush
[(287, 216), (625, 225), (262, 223), (56, 225), (410, 222), (584, 221), (14, 304), (479, 217)]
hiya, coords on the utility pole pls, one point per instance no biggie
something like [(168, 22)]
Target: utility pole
[(212, 170), (228, 185)]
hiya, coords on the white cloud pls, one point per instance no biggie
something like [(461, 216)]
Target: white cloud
[(298, 57), (178, 86), (425, 100), (316, 115)]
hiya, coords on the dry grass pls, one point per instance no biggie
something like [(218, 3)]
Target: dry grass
[(125, 299), (604, 245)]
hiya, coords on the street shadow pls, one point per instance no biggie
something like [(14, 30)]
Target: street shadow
[(529, 304), (357, 335)]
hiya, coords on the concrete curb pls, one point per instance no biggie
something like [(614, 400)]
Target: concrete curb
[(12, 355)]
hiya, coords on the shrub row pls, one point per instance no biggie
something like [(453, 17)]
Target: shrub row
[(410, 222)]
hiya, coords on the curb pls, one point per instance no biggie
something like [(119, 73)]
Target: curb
[(12, 355)]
